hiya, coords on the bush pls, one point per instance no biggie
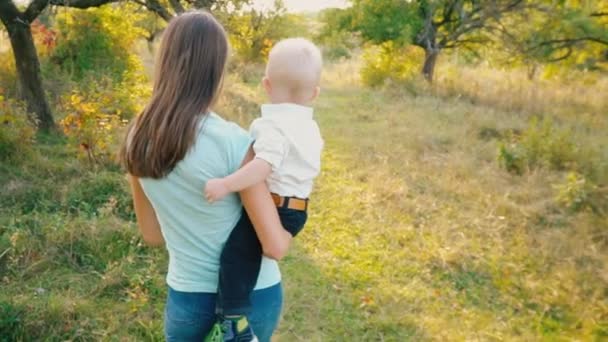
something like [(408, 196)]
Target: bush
[(91, 125), (540, 145), (16, 130), (339, 44), (96, 41), (253, 33), (8, 74), (389, 62), (93, 51), (578, 193)]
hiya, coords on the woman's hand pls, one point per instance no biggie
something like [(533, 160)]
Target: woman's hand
[(146, 216), (263, 214)]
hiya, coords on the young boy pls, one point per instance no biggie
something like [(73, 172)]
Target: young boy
[(287, 150)]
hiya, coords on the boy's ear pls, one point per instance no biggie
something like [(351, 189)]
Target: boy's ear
[(316, 93), (266, 84)]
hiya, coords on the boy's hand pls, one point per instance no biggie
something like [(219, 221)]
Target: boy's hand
[(216, 189)]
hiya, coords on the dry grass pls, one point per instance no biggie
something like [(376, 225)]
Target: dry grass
[(574, 96)]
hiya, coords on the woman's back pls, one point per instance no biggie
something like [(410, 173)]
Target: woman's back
[(195, 231)]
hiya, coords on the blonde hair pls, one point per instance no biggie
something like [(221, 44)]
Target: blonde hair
[(295, 64)]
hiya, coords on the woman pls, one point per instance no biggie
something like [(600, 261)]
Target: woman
[(171, 150)]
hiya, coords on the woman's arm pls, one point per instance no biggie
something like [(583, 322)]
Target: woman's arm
[(263, 214), (146, 217)]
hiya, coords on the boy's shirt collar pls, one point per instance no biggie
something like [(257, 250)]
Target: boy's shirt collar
[(285, 110)]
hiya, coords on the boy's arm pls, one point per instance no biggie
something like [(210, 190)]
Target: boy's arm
[(270, 149), (254, 172)]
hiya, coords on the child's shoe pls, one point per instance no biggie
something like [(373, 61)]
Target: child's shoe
[(237, 329), (216, 334)]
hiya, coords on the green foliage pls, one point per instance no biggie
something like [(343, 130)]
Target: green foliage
[(387, 20), (16, 131), (574, 192), (11, 325), (90, 126), (389, 62), (95, 49), (101, 193), (511, 157), (542, 144), (578, 192), (573, 34), (97, 41), (253, 32), (8, 74), (336, 34)]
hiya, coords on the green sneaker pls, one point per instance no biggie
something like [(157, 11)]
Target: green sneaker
[(216, 334)]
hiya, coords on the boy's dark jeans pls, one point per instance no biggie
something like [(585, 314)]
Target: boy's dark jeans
[(241, 259)]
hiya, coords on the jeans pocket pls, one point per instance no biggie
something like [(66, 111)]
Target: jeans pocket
[(185, 318), (181, 314)]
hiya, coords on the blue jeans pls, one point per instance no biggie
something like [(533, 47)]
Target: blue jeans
[(190, 316)]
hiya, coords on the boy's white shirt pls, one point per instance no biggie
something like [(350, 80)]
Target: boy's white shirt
[(288, 138)]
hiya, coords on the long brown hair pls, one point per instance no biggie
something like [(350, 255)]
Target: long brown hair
[(188, 78)]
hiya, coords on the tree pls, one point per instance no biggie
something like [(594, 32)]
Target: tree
[(574, 32), (18, 24), (175, 7), (433, 25), (252, 31)]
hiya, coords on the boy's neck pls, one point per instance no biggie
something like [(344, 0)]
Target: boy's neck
[(305, 104)]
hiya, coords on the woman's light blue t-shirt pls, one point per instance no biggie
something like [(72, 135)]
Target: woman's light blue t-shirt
[(195, 231)]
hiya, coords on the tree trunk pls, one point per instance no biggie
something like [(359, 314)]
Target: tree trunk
[(430, 59), (28, 71)]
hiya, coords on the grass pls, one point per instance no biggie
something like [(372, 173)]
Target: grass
[(415, 233)]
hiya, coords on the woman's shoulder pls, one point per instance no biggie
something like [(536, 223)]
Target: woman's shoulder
[(220, 138), (215, 125)]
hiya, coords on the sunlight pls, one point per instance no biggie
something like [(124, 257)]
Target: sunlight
[(303, 6)]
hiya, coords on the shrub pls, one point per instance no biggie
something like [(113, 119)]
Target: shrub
[(8, 74), (16, 130), (97, 41), (511, 157), (336, 33), (542, 144), (388, 62), (252, 33), (339, 44), (90, 126), (577, 193)]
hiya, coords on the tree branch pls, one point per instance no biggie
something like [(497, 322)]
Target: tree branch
[(82, 4), (34, 9), (598, 14), (564, 56), (9, 14), (156, 7), (570, 41), (459, 43), (177, 6)]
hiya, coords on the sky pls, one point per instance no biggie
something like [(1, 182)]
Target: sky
[(303, 5)]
